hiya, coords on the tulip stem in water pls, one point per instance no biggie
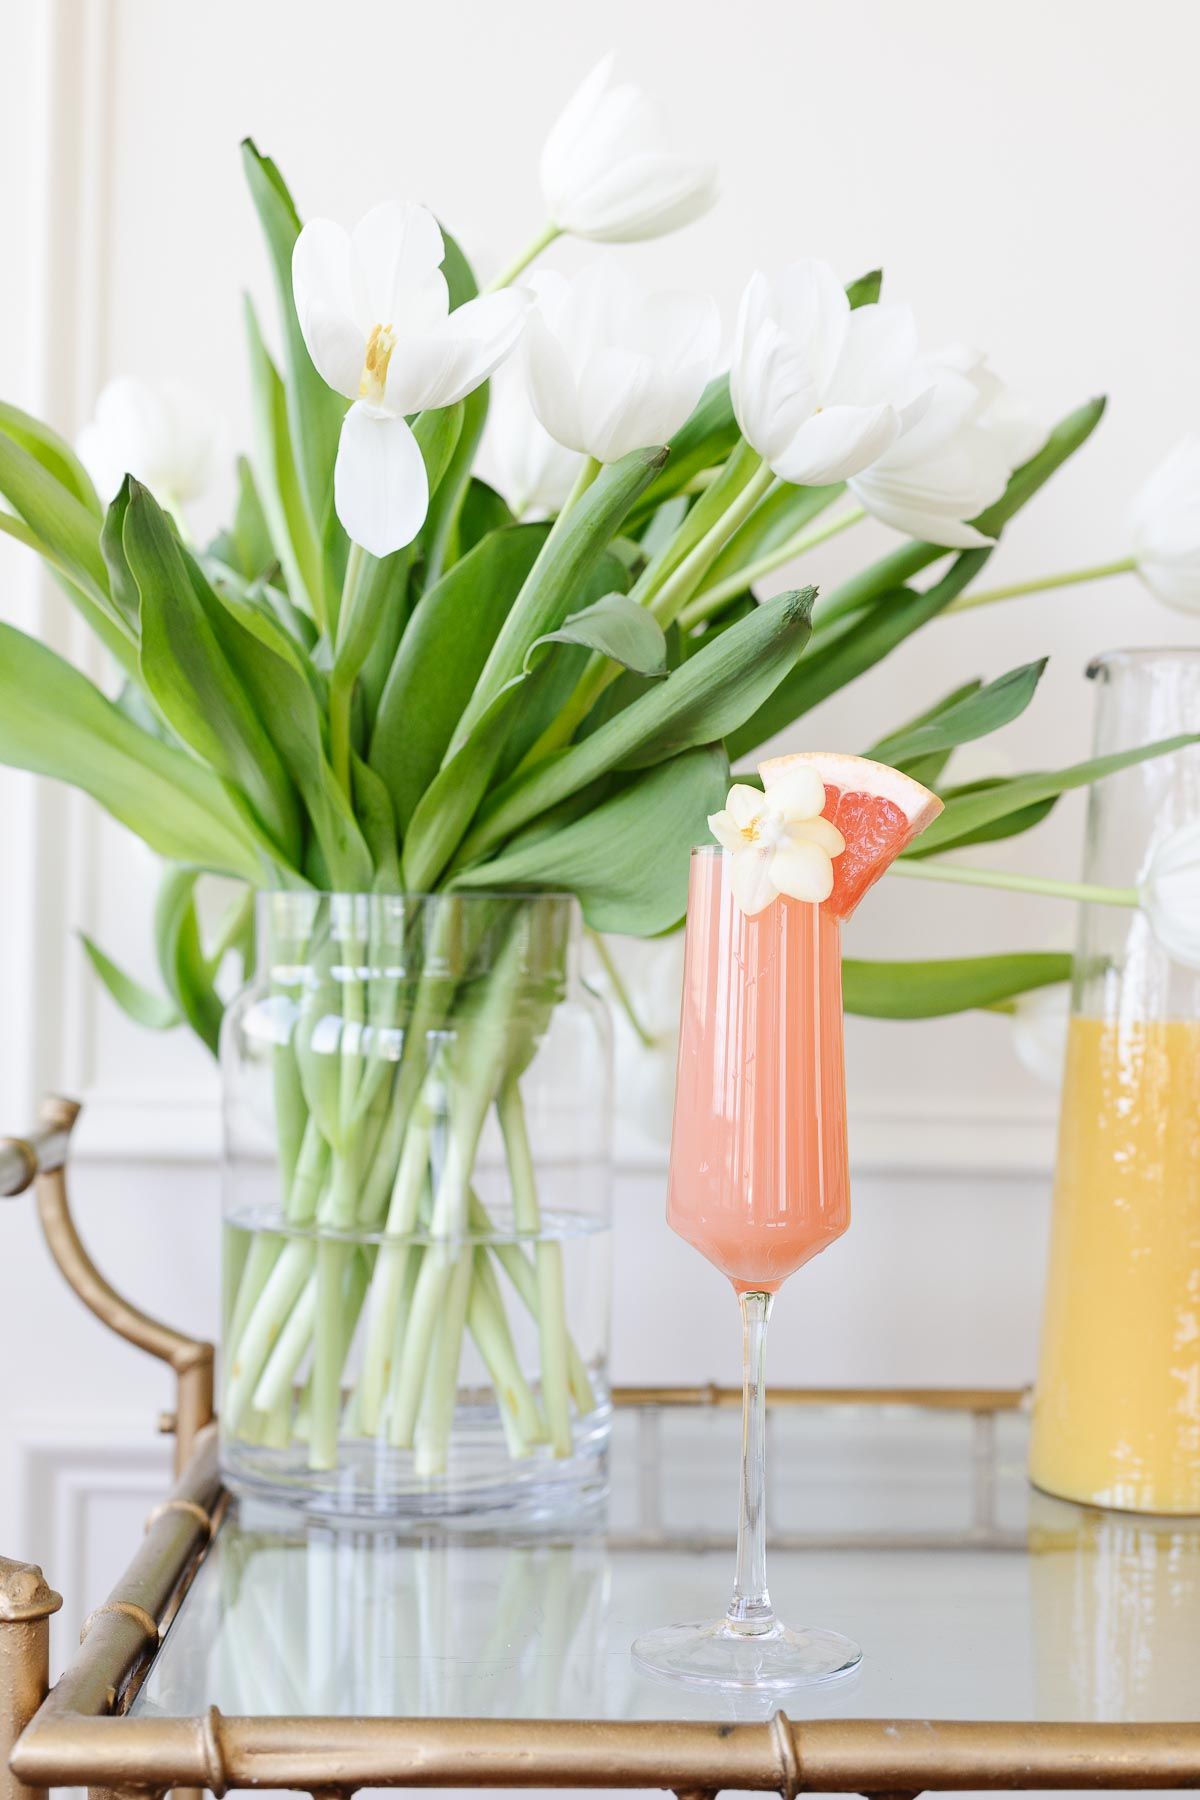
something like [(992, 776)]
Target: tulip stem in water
[(1088, 892), (1042, 583)]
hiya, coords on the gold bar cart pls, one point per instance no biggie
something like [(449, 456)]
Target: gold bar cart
[(92, 1730)]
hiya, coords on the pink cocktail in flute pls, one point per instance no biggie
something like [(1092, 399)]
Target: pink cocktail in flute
[(758, 1179)]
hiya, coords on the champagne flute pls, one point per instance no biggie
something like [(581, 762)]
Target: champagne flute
[(759, 1183)]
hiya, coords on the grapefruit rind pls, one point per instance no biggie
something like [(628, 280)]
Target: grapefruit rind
[(859, 775), (905, 808)]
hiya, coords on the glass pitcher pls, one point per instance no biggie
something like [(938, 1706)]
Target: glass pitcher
[(1117, 1407)]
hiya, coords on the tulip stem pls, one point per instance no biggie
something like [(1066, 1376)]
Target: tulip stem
[(712, 599), (1087, 892), (530, 253), (588, 471), (621, 993), (670, 603), (1098, 572)]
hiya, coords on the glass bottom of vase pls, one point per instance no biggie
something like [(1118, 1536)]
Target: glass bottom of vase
[(717, 1654), (479, 1485)]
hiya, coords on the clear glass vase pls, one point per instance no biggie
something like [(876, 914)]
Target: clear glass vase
[(417, 1210), (1116, 1418)]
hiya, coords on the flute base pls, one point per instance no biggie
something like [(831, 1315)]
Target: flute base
[(722, 1655)]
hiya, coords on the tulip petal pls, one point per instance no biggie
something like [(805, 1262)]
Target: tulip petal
[(646, 196), (604, 172), (326, 305), (447, 364), (750, 880), (836, 444), (878, 358), (551, 383), (802, 871), (380, 487), (809, 303), (397, 254), (771, 383)]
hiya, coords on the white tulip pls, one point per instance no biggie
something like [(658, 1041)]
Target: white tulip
[(375, 312), (779, 842), (1169, 894), (1166, 528), (612, 370), (532, 470), (1039, 1031), (820, 391), (162, 434), (956, 459), (605, 174)]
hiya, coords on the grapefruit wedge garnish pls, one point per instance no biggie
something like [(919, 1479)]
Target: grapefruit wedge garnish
[(877, 810)]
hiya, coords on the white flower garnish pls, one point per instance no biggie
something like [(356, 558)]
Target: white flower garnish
[(779, 842)]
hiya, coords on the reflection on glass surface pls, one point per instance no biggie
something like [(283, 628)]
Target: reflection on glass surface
[(1116, 1612), (916, 1531)]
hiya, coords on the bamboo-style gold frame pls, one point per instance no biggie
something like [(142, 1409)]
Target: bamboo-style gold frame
[(81, 1733)]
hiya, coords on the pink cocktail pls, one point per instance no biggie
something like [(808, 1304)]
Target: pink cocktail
[(759, 1184), (759, 1180)]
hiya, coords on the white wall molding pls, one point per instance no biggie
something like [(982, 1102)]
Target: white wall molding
[(181, 1123), (68, 1474)]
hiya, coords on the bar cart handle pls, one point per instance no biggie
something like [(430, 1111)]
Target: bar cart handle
[(40, 1158)]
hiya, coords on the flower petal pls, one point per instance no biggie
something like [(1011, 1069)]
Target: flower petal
[(744, 804), (726, 831), (325, 305), (819, 831), (803, 872), (750, 880), (878, 358), (837, 443), (398, 281), (810, 305), (380, 486), (605, 173), (450, 362), (772, 385), (551, 383), (798, 794)]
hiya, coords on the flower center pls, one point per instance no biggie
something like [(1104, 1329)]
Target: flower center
[(380, 345)]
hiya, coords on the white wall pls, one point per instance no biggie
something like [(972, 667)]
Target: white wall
[(1025, 175)]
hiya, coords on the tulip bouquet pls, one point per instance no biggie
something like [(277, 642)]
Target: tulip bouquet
[(392, 676)]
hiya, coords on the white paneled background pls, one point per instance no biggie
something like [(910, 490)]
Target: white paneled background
[(1026, 175)]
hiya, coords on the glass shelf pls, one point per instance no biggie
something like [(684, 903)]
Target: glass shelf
[(914, 1531)]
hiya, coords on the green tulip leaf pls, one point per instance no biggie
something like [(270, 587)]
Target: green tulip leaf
[(614, 626), (185, 667), (627, 858), (969, 812), (314, 411), (929, 990), (185, 970), (441, 657), (54, 722), (53, 452), (154, 1011), (278, 480), (964, 718), (702, 701), (576, 544)]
